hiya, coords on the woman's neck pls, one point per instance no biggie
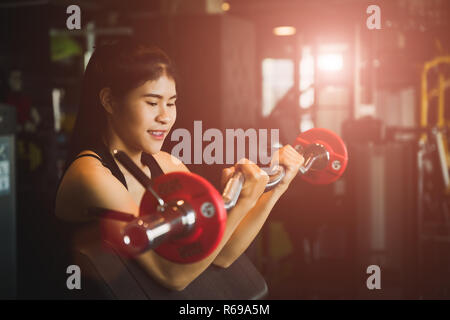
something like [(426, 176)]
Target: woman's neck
[(113, 142)]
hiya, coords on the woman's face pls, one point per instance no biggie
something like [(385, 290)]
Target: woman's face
[(146, 114)]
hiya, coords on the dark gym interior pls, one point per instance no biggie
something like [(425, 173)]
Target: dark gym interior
[(290, 65)]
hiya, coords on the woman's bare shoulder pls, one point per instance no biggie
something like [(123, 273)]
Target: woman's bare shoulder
[(169, 163), (87, 183)]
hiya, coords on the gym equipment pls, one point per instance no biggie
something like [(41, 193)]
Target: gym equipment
[(433, 112), (325, 157), (8, 203), (107, 274), (193, 217), (189, 223)]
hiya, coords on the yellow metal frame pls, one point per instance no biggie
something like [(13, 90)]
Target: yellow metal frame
[(439, 94), (435, 92)]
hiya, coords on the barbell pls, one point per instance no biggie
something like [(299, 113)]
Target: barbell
[(183, 217)]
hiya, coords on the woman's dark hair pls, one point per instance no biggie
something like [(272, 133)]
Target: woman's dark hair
[(121, 66)]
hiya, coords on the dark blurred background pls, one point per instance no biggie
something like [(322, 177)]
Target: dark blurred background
[(386, 92)]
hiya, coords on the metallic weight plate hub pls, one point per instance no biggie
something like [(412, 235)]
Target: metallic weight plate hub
[(328, 168)]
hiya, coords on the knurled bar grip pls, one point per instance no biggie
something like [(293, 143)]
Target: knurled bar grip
[(233, 187)]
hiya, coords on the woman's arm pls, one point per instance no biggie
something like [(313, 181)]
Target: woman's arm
[(248, 229), (88, 184), (181, 275), (250, 226), (178, 276)]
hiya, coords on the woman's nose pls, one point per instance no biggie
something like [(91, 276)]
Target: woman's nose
[(163, 115)]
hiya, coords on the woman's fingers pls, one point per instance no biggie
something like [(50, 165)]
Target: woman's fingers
[(255, 181), (252, 172), (227, 173), (291, 160), (287, 155)]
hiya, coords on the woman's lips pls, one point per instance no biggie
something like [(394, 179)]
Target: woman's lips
[(157, 134)]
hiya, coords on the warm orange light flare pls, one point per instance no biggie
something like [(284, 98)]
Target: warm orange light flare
[(225, 6), (284, 31), (330, 62)]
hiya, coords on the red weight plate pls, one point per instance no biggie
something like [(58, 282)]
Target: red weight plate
[(336, 148), (210, 215)]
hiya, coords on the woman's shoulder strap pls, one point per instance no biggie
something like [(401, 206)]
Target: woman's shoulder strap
[(90, 155), (151, 162), (101, 153)]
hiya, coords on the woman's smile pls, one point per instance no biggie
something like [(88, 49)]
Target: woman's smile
[(157, 134)]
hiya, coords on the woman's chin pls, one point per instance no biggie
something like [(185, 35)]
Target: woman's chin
[(152, 149)]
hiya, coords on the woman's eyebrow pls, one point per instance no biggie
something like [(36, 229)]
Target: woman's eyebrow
[(152, 95)]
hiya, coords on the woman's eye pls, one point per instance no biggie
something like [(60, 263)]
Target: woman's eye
[(153, 104), (170, 104)]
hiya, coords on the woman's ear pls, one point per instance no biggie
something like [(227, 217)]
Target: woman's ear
[(106, 99)]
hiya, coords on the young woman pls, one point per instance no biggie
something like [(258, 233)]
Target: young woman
[(128, 103)]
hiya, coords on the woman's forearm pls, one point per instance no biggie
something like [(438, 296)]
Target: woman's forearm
[(248, 228), (178, 276)]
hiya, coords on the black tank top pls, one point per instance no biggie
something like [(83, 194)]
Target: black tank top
[(106, 158)]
